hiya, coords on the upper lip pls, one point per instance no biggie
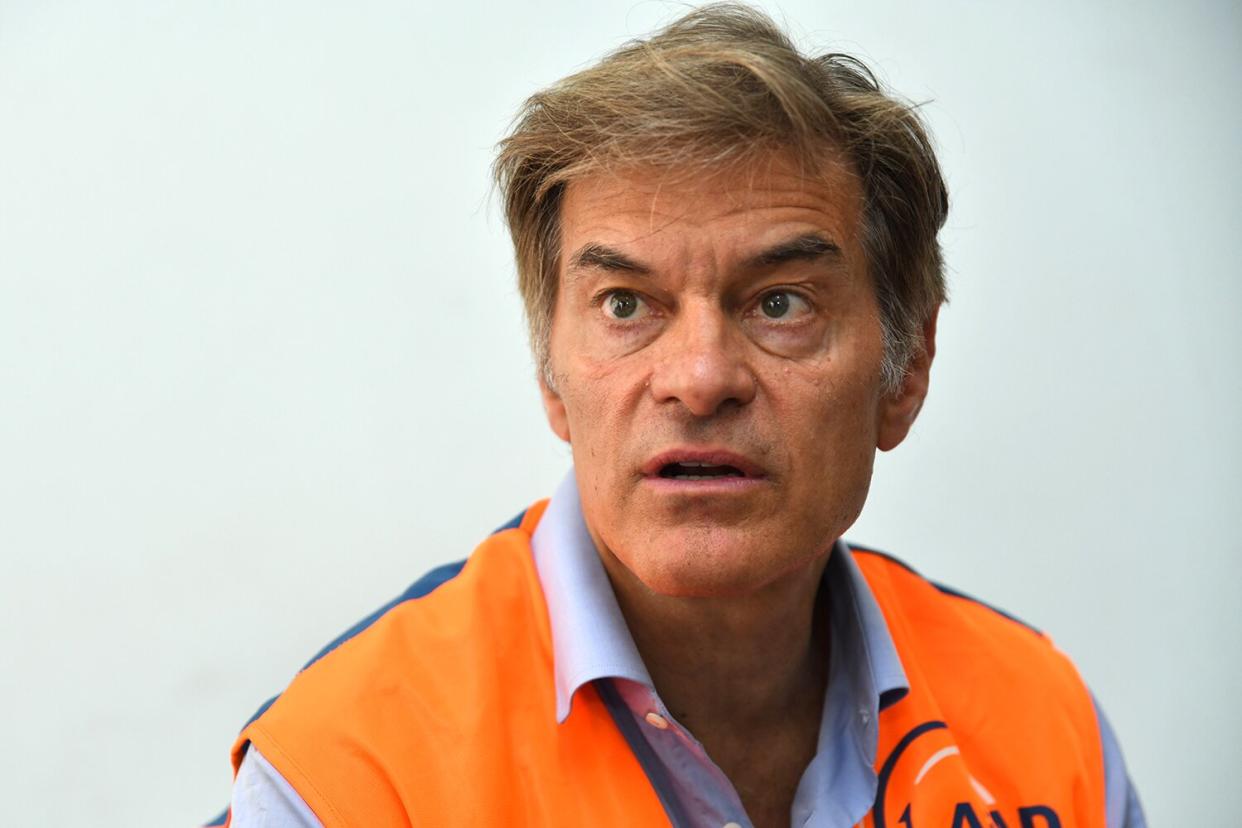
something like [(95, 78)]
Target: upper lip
[(709, 456)]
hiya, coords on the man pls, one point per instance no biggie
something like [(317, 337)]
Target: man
[(729, 261)]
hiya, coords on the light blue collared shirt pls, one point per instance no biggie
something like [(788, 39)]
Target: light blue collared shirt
[(592, 643)]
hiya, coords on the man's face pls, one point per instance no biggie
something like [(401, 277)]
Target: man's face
[(716, 349)]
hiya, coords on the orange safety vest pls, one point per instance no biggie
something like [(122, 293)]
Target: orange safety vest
[(441, 712)]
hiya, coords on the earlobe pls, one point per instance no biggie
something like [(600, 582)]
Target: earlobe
[(554, 408), (899, 410)]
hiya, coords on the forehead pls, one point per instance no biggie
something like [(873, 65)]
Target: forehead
[(736, 208)]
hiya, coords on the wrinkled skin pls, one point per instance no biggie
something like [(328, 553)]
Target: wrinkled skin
[(676, 337)]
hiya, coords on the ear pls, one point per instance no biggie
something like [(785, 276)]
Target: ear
[(554, 408), (899, 410)]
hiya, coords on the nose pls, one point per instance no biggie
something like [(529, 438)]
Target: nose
[(703, 365)]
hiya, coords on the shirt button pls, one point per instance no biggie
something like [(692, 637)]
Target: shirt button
[(657, 721), (732, 825)]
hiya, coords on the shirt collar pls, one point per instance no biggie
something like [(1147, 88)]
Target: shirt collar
[(590, 639), (862, 639), (865, 676)]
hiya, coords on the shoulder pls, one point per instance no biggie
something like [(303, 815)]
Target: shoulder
[(431, 631), (956, 637), (1012, 703), (411, 682), (446, 612), (896, 582)]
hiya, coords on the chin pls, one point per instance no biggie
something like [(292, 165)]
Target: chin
[(693, 582), (711, 562)]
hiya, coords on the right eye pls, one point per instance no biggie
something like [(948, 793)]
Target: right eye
[(624, 305)]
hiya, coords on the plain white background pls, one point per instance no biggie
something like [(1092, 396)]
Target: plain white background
[(262, 362)]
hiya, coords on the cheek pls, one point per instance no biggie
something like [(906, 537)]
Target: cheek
[(599, 389), (600, 406), (829, 423)]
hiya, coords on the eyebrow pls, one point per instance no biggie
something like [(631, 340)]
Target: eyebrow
[(807, 247), (599, 257)]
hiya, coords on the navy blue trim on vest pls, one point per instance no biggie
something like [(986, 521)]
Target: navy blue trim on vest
[(262, 709), (947, 590), (422, 587), (891, 696), (643, 752), (877, 810), (512, 524), (219, 820)]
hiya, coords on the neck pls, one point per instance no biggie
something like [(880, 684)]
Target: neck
[(740, 664)]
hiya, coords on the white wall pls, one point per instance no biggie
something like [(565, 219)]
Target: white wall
[(262, 364)]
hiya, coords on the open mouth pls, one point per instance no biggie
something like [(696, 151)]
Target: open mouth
[(698, 471), (704, 465)]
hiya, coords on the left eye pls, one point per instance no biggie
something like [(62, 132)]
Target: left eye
[(782, 304), (624, 305)]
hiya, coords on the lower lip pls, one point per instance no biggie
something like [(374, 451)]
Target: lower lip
[(711, 486)]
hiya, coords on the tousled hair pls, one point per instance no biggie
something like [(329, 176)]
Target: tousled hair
[(717, 87)]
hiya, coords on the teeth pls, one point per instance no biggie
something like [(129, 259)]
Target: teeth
[(695, 465)]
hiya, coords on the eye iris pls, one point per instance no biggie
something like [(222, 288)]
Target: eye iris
[(623, 305), (775, 305)]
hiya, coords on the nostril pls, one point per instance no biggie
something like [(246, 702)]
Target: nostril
[(703, 378)]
